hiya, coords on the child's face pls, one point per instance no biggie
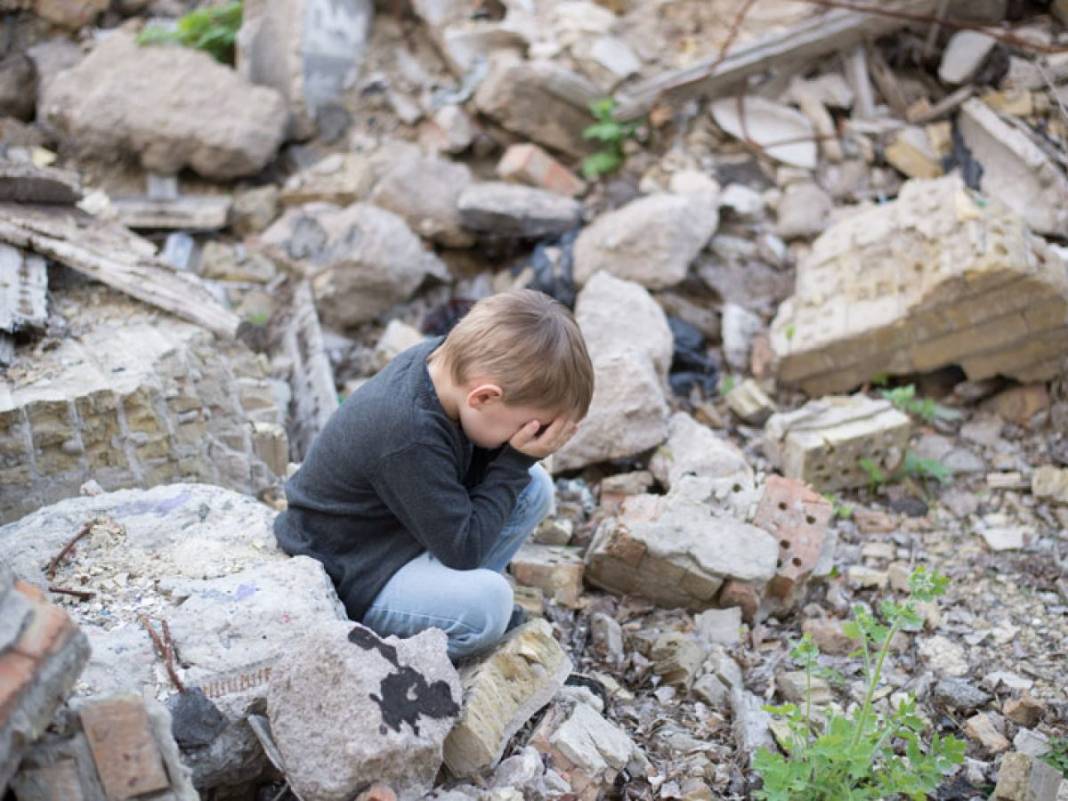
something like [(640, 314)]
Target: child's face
[(492, 422)]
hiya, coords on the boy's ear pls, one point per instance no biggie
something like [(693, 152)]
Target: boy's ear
[(483, 394)]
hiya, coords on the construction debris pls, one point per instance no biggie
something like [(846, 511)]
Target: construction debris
[(501, 693), (41, 654), (392, 703), (982, 292)]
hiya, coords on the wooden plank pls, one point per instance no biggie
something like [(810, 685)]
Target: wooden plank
[(188, 213), (23, 290), (836, 31), (28, 183), (312, 379), (111, 254), (127, 757)]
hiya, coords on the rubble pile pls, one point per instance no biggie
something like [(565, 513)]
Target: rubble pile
[(818, 255)]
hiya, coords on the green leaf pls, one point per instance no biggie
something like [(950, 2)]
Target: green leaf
[(600, 163)]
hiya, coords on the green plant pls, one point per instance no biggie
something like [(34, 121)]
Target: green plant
[(912, 467), (904, 398), (211, 28), (839, 510), (1058, 755), (611, 134), (726, 384), (855, 756)]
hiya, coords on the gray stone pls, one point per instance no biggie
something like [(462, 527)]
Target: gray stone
[(752, 725), (1031, 742), (309, 51), (195, 720), (425, 192), (695, 451), (18, 84), (630, 344), (512, 211), (651, 240), (945, 656), (723, 626), (739, 327), (361, 260), (126, 98), (1023, 778), (803, 211), (346, 705), (540, 101), (964, 55), (959, 694), (796, 687), (606, 636), (202, 558)]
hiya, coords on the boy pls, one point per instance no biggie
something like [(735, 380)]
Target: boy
[(424, 484)]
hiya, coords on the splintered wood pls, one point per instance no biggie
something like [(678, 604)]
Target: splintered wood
[(112, 255), (938, 277)]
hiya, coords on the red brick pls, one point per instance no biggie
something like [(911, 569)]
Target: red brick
[(797, 517), (741, 594), (125, 752), (49, 628), (16, 674), (530, 164)]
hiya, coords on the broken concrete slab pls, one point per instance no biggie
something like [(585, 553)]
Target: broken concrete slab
[(540, 101), (982, 292), (42, 652), (804, 210), (681, 558), (501, 693), (340, 178), (126, 98), (630, 344), (695, 451), (204, 560), (360, 260), (556, 570), (823, 442), (1016, 170), (28, 183), (651, 240), (137, 399), (310, 52), (392, 703), (497, 209), (184, 213)]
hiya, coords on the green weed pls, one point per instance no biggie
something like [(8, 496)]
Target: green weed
[(912, 467), (904, 398), (212, 29), (611, 134), (1058, 755), (855, 755)]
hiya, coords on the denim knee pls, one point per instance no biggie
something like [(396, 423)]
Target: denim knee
[(541, 493), (489, 607)]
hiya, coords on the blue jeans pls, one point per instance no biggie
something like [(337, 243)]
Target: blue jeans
[(471, 606)]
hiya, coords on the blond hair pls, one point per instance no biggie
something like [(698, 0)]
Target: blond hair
[(529, 344)]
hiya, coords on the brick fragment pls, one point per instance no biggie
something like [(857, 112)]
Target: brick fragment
[(127, 757), (797, 517), (529, 164)]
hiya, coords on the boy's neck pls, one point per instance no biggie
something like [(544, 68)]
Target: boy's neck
[(444, 388)]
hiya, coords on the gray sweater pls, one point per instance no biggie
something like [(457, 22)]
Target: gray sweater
[(389, 476)]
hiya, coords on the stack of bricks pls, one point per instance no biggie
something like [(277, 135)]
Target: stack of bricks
[(42, 653), (937, 277), (136, 400), (118, 748)]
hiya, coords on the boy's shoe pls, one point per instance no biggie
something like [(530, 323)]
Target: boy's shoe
[(518, 618)]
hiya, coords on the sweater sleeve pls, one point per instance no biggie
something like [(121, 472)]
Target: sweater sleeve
[(458, 526)]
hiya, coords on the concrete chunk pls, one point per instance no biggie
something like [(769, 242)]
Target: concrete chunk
[(504, 210), (556, 570), (1023, 778), (501, 693), (823, 442), (935, 278)]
